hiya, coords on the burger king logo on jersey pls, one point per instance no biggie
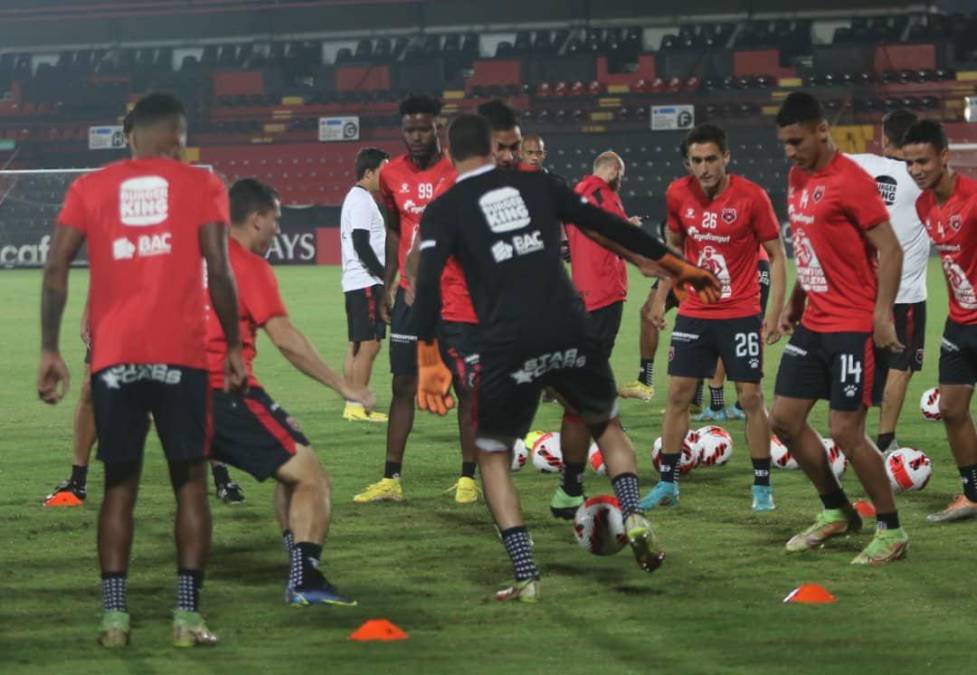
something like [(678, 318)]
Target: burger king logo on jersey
[(144, 201)]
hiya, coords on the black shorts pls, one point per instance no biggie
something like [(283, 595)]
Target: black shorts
[(509, 385), (958, 354), (178, 398), (606, 322), (459, 346), (838, 367), (698, 343), (253, 433), (403, 340), (363, 314), (911, 330), (763, 276), (671, 300)]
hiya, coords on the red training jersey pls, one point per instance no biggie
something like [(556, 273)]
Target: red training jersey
[(141, 220), (723, 235), (407, 190), (830, 210), (600, 275), (953, 229), (258, 301), (456, 301)]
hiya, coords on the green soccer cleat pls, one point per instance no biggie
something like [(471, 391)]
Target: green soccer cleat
[(563, 505), (114, 631), (644, 545), (829, 523), (886, 546), (190, 630)]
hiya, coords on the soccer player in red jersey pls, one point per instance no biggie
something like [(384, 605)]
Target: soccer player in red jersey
[(948, 209), (253, 432), (721, 220), (149, 223), (407, 184), (849, 263)]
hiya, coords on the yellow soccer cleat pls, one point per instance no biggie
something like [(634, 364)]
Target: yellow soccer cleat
[(386, 490), (636, 389), (466, 490), (355, 412)]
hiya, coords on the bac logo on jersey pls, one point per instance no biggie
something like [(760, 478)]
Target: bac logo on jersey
[(144, 201), (123, 249), (147, 245), (728, 216), (502, 251), (818, 194), (504, 209)]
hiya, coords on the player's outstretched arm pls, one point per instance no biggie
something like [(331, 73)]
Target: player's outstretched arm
[(778, 288), (793, 311), (884, 239), (301, 353), (223, 298), (53, 377)]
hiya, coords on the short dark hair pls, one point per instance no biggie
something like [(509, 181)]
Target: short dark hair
[(369, 159), (250, 195), (499, 115), (705, 133), (799, 108), (154, 107), (896, 123), (926, 131), (420, 105), (470, 136)]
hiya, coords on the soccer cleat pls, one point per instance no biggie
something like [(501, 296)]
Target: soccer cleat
[(960, 508), (114, 631), (710, 415), (563, 505), (326, 594), (886, 546), (642, 540), (763, 498), (732, 413), (829, 523), (189, 630), (526, 590), (663, 494), (230, 493), (466, 490), (66, 493), (386, 490), (638, 390), (355, 412)]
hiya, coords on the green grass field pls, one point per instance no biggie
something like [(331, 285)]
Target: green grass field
[(431, 566)]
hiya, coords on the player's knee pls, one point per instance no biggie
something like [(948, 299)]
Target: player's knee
[(187, 473), (404, 387), (786, 428), (679, 400), (117, 473), (953, 410), (751, 401)]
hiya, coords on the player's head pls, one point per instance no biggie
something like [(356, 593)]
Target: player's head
[(506, 135), (255, 212), (419, 127), (707, 155), (368, 163), (610, 167), (927, 153), (470, 137), (803, 130), (533, 150), (895, 124), (159, 127)]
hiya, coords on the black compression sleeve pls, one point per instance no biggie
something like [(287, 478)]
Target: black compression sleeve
[(361, 244)]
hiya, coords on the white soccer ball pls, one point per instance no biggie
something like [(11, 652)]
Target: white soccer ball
[(836, 457), (780, 456), (715, 446), (520, 455), (687, 460), (929, 404), (596, 460), (546, 453), (908, 469), (599, 526)]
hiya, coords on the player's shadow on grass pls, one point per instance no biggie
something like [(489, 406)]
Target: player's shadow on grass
[(621, 579)]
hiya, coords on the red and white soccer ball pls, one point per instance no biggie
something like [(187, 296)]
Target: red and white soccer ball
[(599, 526), (546, 453), (780, 456), (596, 460), (715, 446), (929, 404), (836, 457), (687, 460), (908, 469), (520, 455)]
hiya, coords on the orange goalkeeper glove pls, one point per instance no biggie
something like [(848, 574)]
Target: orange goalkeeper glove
[(433, 379), (704, 282)]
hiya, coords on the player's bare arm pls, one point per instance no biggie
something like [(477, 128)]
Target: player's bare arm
[(883, 238), (53, 377), (223, 297), (793, 310), (778, 289), (301, 353), (411, 262), (391, 245)]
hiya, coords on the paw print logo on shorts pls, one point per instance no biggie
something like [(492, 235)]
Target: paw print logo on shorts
[(851, 390), (754, 363)]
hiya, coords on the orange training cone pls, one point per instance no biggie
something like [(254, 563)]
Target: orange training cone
[(378, 630), (865, 509), (810, 594), (64, 498)]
